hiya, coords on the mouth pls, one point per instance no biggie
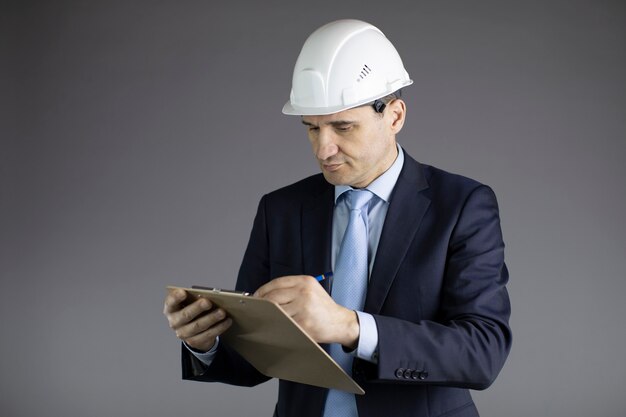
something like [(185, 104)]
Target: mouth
[(331, 167)]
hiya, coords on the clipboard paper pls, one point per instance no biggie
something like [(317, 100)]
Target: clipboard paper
[(264, 335)]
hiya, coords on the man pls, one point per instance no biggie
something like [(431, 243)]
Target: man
[(418, 310)]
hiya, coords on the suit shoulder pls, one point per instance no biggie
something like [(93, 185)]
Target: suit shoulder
[(451, 188), (299, 191), (438, 178)]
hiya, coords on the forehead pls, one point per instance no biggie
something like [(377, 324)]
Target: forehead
[(358, 114)]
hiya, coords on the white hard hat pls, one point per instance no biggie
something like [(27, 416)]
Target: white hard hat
[(344, 64)]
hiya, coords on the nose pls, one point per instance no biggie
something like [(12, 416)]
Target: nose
[(326, 144)]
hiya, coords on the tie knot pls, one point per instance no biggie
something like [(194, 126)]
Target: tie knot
[(357, 199)]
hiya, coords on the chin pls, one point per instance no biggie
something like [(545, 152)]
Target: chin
[(333, 179)]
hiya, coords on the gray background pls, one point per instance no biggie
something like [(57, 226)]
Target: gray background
[(138, 137)]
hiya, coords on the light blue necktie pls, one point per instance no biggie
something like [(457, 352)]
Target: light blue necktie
[(349, 289)]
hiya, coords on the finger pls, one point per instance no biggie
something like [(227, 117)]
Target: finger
[(275, 284), (284, 295), (291, 309), (280, 283), (189, 313), (201, 324), (173, 299), (205, 340)]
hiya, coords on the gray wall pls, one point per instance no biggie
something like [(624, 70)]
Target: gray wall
[(137, 138)]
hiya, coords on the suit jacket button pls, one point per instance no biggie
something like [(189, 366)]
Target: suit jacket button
[(415, 375), (423, 375), (399, 373), (407, 373)]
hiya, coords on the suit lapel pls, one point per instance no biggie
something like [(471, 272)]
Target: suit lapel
[(317, 222), (404, 216)]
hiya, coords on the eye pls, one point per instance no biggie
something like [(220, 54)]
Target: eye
[(343, 128)]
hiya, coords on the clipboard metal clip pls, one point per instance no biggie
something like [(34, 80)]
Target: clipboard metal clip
[(219, 290)]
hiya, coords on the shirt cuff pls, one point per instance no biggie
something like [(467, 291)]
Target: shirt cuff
[(204, 357), (367, 349)]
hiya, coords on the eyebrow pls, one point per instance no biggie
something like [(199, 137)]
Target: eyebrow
[(333, 123)]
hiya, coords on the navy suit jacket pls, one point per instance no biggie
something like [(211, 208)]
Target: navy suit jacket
[(436, 291)]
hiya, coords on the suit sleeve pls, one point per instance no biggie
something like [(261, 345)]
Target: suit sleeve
[(467, 343), (228, 366)]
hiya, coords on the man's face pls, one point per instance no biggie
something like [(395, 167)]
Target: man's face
[(355, 146)]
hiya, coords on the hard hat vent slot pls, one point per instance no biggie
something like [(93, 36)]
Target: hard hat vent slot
[(365, 71)]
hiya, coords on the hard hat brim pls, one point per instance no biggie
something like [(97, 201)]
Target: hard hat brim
[(291, 110)]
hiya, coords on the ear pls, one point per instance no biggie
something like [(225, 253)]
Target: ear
[(396, 112)]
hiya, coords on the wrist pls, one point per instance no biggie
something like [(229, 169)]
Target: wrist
[(202, 349), (350, 336)]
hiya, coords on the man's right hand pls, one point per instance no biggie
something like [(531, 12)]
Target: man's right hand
[(197, 324)]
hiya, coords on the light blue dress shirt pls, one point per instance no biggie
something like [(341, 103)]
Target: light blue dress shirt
[(381, 187)]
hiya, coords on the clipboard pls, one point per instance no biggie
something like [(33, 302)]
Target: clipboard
[(264, 335)]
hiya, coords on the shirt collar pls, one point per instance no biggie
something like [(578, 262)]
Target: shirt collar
[(383, 185)]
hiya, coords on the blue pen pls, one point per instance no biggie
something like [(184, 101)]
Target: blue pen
[(324, 276)]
